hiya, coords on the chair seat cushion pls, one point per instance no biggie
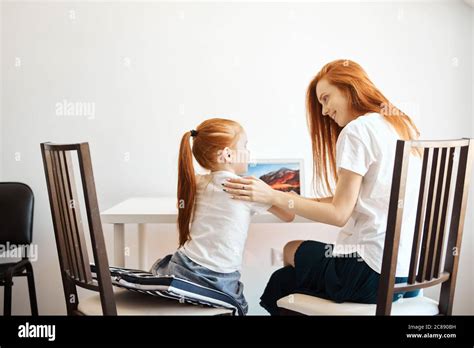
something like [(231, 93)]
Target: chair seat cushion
[(171, 287), (133, 303), (311, 305)]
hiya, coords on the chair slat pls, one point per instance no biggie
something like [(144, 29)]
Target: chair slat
[(420, 213), (442, 225), (428, 218), (82, 248), (67, 215), (63, 223), (71, 210), (439, 185), (72, 228), (55, 209)]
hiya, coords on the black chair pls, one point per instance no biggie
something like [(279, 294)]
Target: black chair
[(16, 230)]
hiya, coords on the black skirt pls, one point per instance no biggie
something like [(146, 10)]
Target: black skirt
[(345, 278)]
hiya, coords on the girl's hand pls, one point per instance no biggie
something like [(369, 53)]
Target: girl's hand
[(250, 188)]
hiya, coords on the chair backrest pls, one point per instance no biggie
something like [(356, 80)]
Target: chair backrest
[(439, 201), (68, 226), (16, 213)]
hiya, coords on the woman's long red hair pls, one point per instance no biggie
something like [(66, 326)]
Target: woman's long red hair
[(364, 97), (213, 135)]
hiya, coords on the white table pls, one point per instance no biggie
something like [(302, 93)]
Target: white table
[(152, 210)]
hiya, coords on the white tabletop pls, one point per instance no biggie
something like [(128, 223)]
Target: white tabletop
[(163, 210)]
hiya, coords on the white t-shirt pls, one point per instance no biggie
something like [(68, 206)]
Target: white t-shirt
[(220, 225), (367, 147)]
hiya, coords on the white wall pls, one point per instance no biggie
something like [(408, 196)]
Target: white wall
[(155, 70)]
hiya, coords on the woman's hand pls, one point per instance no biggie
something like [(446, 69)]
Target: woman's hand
[(250, 188)]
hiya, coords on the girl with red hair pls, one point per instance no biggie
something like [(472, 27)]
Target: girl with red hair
[(212, 227), (354, 130)]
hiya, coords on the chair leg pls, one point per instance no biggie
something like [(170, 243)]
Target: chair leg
[(32, 289), (7, 298)]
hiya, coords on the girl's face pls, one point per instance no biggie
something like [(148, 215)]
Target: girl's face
[(334, 103), (241, 155), (237, 157)]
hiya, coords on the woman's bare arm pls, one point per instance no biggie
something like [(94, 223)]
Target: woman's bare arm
[(335, 211), (283, 214), (322, 200)]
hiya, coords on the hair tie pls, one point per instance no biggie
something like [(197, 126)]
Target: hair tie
[(194, 132)]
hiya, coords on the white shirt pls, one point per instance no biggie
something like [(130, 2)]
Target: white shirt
[(220, 225), (367, 147)]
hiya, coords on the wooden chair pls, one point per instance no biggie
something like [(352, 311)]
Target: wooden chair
[(438, 202), (71, 246)]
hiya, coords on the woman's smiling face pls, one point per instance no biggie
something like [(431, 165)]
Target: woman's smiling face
[(334, 103)]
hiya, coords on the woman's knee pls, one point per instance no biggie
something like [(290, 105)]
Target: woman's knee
[(289, 251), (281, 281)]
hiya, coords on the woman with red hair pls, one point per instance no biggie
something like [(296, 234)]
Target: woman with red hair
[(354, 130)]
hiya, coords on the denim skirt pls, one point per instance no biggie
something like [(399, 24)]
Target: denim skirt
[(181, 266)]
